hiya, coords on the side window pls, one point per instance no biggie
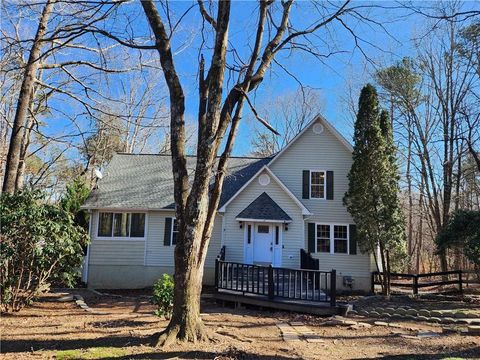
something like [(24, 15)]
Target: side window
[(105, 221), (174, 231), (137, 225), (121, 225)]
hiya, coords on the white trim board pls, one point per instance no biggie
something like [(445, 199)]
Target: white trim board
[(305, 211), (264, 220)]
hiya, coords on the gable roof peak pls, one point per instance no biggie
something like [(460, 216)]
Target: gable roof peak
[(317, 118)]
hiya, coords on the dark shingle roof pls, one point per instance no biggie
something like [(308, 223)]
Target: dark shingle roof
[(145, 181), (264, 208)]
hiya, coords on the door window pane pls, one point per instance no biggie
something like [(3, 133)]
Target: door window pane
[(263, 229), (121, 225), (138, 225), (105, 224)]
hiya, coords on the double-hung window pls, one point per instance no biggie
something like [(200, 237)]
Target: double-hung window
[(340, 239), (121, 225), (323, 238), (332, 238), (317, 184)]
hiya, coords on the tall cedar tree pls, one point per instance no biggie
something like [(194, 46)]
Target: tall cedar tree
[(372, 197)]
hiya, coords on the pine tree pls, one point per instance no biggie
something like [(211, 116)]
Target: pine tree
[(372, 197)]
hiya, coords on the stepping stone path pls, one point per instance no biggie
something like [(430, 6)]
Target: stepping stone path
[(288, 333), (293, 331)]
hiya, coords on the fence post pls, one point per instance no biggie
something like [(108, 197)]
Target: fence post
[(333, 287), (216, 273), (372, 284), (460, 282), (415, 284), (270, 282)]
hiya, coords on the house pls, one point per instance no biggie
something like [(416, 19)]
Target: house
[(270, 209)]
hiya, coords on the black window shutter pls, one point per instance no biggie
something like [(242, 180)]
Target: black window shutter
[(329, 185), (311, 237), (167, 238), (306, 184), (353, 239)]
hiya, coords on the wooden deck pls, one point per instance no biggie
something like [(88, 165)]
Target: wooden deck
[(299, 290), (279, 303)]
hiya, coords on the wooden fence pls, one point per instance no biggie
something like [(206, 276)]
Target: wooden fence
[(419, 281)]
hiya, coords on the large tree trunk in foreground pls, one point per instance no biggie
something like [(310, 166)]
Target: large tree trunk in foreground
[(196, 199), (185, 322), (23, 103)]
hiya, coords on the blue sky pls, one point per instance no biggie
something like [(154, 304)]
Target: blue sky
[(332, 76)]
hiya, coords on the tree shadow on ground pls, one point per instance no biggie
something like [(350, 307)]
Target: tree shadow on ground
[(14, 346), (230, 354), (120, 323), (470, 353)]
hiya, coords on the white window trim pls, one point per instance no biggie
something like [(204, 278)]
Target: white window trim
[(122, 238), (171, 231), (332, 239), (324, 185)]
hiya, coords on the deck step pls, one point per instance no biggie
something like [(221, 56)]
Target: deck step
[(293, 305)]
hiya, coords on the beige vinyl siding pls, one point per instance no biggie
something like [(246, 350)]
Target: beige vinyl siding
[(115, 252), (323, 152), (157, 253), (317, 152), (293, 239), (345, 264), (215, 243), (160, 255), (133, 252)]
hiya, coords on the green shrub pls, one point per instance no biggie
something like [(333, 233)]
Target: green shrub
[(75, 195), (163, 296), (39, 244)]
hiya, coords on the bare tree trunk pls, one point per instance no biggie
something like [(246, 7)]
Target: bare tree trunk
[(410, 247), (386, 270), (23, 103), (420, 229)]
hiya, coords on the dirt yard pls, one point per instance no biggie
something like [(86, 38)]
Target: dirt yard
[(120, 328)]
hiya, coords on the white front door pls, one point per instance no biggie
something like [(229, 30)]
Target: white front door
[(263, 244)]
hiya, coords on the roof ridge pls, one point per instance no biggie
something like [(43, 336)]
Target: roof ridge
[(193, 156)]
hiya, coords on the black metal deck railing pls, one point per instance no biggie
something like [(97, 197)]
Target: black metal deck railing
[(274, 282)]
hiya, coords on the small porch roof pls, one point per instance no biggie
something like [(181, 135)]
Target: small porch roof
[(263, 208)]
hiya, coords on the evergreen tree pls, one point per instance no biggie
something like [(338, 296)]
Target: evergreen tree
[(76, 194), (372, 197)]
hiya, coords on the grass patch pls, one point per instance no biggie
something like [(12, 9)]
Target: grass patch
[(90, 353)]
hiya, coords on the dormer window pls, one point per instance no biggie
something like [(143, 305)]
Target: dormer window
[(317, 185)]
